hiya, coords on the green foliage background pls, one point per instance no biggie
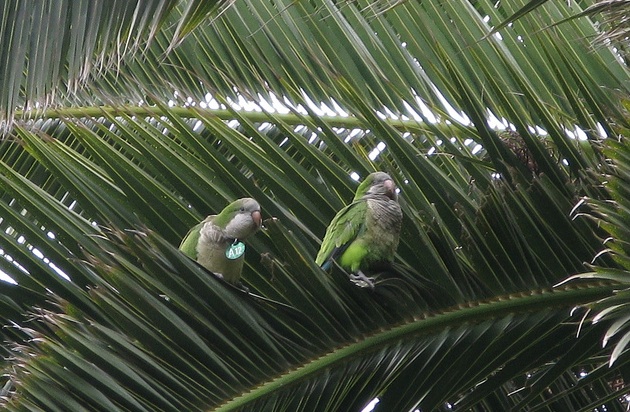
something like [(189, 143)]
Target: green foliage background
[(109, 155)]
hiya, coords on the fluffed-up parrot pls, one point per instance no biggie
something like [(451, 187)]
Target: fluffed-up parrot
[(364, 234), (216, 242)]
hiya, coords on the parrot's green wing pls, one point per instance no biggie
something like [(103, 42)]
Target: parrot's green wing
[(344, 228), (190, 241)]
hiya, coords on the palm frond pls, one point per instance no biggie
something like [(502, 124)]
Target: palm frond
[(612, 215), (161, 321), (102, 194), (139, 282), (55, 47)]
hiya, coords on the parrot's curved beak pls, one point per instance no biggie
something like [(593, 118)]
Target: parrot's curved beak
[(390, 187), (257, 218)]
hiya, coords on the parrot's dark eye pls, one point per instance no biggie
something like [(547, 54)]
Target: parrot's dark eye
[(242, 209)]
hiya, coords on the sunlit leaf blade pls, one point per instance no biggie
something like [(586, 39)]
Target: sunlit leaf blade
[(195, 13), (523, 11)]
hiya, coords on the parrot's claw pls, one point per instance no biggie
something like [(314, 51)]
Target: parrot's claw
[(242, 287), (361, 280), (239, 285)]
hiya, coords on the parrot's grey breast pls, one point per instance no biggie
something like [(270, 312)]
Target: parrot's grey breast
[(384, 222), (211, 253), (386, 213), (212, 233)]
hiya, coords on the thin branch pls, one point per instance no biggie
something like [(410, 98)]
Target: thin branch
[(349, 122)]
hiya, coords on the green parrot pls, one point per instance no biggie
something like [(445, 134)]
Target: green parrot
[(216, 242), (364, 234)]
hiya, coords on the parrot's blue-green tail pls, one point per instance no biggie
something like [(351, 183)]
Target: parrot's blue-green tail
[(336, 252)]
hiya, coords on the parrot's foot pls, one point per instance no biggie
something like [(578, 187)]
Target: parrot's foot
[(242, 287), (361, 280), (239, 285)]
